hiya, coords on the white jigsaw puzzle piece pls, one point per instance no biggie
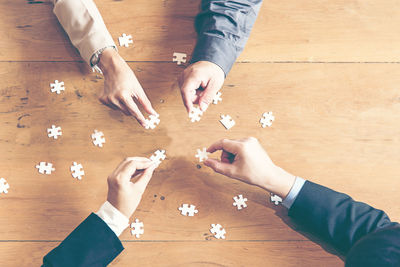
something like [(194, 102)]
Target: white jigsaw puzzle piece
[(227, 121), (179, 58), (98, 138), (218, 231), (125, 40), (267, 119), (202, 154), (77, 170), (158, 156), (4, 186), (187, 210), (195, 114), (240, 202), (152, 122), (45, 168), (54, 132), (57, 87), (137, 228), (217, 98)]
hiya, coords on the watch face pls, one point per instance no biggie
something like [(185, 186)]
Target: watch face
[(95, 59)]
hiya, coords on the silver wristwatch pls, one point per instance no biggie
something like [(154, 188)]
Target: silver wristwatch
[(95, 59)]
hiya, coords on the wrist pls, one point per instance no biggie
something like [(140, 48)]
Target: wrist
[(280, 183), (109, 60), (116, 203)]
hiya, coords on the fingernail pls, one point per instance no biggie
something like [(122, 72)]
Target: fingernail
[(203, 106)]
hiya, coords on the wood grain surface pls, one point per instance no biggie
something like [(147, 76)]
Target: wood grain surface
[(322, 67)]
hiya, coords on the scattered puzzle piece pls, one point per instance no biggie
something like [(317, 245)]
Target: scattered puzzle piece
[(54, 132), (57, 87), (217, 98), (202, 154), (125, 40), (227, 121), (275, 199), (179, 58), (195, 114), (152, 122), (158, 156), (77, 171), (267, 119), (4, 186), (98, 138), (137, 228), (187, 210), (218, 231), (240, 202), (45, 168)]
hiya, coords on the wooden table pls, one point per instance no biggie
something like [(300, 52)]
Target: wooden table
[(329, 70)]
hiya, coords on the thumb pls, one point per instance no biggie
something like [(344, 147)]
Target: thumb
[(208, 94), (188, 91), (226, 169), (145, 177)]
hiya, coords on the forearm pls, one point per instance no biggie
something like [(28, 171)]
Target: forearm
[(335, 217), (84, 25), (223, 29)]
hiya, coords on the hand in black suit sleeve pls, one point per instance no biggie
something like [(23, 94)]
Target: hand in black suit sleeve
[(92, 243), (335, 217)]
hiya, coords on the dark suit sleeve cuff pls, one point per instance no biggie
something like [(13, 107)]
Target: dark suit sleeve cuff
[(92, 243), (216, 50)]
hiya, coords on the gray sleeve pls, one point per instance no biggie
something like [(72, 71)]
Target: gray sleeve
[(223, 29)]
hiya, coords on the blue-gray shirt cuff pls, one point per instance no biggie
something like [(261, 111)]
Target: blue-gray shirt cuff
[(294, 192), (216, 50)]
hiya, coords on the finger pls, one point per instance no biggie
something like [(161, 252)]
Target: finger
[(145, 102), (134, 110), (220, 167), (188, 91), (120, 105), (107, 102), (122, 164), (130, 168), (208, 95), (145, 177), (231, 146)]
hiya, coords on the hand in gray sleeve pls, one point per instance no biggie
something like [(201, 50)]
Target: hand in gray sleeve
[(223, 28)]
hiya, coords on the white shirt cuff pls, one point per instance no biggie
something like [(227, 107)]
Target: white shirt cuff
[(117, 221), (294, 192)]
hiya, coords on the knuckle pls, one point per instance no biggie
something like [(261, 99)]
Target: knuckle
[(229, 172), (111, 180), (207, 99), (111, 99), (120, 95), (125, 94), (253, 138)]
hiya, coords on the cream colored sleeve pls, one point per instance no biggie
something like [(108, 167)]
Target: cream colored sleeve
[(84, 25)]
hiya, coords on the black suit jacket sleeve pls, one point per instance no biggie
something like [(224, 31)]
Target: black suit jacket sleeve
[(335, 217), (92, 243), (223, 27)]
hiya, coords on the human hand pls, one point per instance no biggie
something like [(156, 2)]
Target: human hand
[(128, 182), (199, 83), (246, 160), (121, 86)]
